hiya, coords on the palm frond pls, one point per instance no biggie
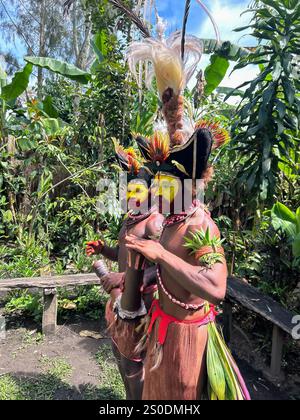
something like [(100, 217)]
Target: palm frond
[(67, 6), (132, 16), (225, 381)]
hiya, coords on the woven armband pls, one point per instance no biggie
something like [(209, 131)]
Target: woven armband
[(124, 314)]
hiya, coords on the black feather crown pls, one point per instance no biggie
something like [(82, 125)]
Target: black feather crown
[(187, 161)]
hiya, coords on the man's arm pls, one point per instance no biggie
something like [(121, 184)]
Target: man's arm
[(207, 283), (109, 252), (135, 274)]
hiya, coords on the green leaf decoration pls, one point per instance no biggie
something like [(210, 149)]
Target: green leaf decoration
[(60, 67), (221, 368), (201, 238), (216, 376), (18, 84)]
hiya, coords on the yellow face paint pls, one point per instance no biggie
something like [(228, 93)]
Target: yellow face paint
[(166, 186), (137, 191)]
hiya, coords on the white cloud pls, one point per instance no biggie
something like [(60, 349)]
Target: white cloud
[(228, 17)]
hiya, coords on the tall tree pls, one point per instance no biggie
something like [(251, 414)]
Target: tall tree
[(43, 30)]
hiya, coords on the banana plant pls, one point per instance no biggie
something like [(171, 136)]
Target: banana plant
[(60, 67), (220, 57), (9, 92), (99, 45), (285, 220)]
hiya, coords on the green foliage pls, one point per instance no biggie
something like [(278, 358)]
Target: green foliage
[(25, 304), (264, 257), (219, 61), (266, 129), (27, 259), (226, 48), (99, 44), (18, 84), (60, 67), (87, 300), (9, 389), (110, 377), (289, 223), (56, 367), (43, 387)]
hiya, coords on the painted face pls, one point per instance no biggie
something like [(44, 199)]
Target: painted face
[(166, 187), (137, 193)]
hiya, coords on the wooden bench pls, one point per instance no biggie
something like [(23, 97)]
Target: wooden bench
[(249, 297), (49, 285)]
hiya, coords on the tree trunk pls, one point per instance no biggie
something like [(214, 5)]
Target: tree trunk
[(84, 51), (42, 45)]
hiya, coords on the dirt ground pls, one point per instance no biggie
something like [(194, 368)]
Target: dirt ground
[(69, 366)]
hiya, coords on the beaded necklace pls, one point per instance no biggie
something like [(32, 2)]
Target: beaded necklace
[(187, 306), (173, 219)]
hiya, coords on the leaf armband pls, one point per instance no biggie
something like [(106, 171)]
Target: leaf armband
[(208, 250)]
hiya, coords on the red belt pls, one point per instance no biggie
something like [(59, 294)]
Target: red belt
[(165, 320)]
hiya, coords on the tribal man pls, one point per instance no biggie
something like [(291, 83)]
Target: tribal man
[(143, 223), (181, 340)]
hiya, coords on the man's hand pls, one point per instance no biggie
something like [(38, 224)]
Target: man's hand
[(94, 247), (151, 250), (111, 281)]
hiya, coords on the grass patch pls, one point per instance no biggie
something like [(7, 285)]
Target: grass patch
[(56, 367), (41, 387), (49, 385), (111, 384), (9, 388)]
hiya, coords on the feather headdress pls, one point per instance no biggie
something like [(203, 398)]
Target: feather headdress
[(172, 62), (129, 159), (219, 134), (165, 56)]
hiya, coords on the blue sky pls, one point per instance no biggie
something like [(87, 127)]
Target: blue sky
[(227, 14)]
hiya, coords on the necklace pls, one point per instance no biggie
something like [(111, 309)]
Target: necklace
[(173, 219), (187, 306), (132, 218)]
